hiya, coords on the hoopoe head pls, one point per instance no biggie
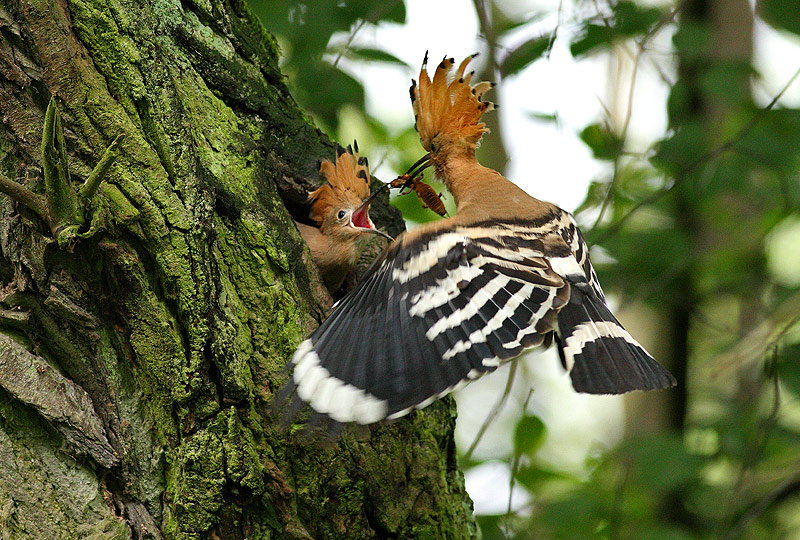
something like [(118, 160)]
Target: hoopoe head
[(338, 206), (447, 113)]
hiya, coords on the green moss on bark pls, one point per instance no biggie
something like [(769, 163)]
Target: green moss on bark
[(44, 493), (194, 289)]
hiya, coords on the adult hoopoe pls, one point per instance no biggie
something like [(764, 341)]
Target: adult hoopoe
[(339, 209), (451, 300)]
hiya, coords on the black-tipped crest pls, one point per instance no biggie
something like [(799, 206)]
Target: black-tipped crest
[(451, 109)]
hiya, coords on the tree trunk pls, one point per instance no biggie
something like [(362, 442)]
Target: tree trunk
[(137, 359)]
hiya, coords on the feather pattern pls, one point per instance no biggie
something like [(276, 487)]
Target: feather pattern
[(450, 109), (451, 300), (348, 183), (441, 310), (450, 307)]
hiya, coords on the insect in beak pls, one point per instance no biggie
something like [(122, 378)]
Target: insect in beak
[(420, 165), (427, 196)]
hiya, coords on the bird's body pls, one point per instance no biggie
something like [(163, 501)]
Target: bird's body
[(342, 218), (451, 300), (334, 257)]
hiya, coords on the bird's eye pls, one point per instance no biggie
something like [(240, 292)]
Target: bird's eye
[(341, 214), (433, 147)]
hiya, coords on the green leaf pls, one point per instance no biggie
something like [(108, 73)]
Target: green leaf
[(580, 514), (529, 435), (592, 37), (605, 144), (534, 477), (781, 14), (324, 90), (789, 367), (492, 526), (692, 40), (642, 256), (390, 11), (373, 55), (545, 117), (595, 195), (727, 82), (628, 19), (683, 149), (773, 140), (667, 533), (632, 19), (661, 462), (524, 55)]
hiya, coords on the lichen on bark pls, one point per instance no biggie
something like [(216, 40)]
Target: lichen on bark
[(136, 367)]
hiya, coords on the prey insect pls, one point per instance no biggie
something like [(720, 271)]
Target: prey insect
[(412, 180), (425, 193)]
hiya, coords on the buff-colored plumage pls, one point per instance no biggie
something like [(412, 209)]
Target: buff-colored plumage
[(449, 110), (342, 222), (453, 299), (447, 116), (348, 185)]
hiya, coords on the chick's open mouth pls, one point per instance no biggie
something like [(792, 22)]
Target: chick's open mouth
[(360, 218)]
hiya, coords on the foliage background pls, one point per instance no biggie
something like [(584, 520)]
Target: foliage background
[(695, 231)]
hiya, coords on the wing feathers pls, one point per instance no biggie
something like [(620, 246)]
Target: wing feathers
[(602, 356), (444, 308)]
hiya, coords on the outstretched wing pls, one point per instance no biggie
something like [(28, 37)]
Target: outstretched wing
[(600, 355), (431, 315)]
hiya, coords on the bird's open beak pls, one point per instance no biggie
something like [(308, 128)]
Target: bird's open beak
[(360, 220)]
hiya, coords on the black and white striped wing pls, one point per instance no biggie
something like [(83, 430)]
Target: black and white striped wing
[(429, 317), (600, 355)]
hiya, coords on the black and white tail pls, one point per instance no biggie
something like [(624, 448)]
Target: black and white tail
[(600, 355)]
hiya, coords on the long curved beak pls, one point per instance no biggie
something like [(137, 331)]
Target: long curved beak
[(420, 165), (381, 233)]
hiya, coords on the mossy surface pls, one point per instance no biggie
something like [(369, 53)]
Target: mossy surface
[(182, 299)]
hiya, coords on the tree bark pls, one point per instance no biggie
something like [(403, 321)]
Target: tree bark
[(138, 360)]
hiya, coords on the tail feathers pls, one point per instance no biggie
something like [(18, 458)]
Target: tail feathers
[(601, 356)]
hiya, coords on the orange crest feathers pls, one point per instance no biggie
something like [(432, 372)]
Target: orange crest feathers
[(348, 182), (453, 109)]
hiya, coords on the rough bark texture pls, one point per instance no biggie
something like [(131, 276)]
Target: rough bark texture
[(136, 364)]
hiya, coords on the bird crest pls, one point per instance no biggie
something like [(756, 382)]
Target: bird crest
[(348, 182), (449, 109)]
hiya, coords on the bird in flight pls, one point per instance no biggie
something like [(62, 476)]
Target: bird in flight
[(451, 300)]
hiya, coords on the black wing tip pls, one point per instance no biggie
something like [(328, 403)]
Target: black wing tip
[(625, 370), (591, 385), (605, 358)]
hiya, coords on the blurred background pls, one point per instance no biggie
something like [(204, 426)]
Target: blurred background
[(672, 131)]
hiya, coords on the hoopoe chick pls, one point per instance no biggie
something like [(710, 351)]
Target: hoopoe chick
[(341, 212), (451, 300)]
